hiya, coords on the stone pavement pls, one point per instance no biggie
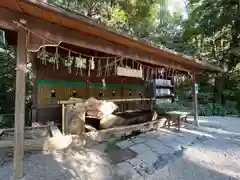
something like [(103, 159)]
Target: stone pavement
[(153, 150), (209, 152)]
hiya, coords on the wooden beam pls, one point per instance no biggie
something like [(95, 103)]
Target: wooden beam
[(48, 30), (55, 132), (109, 100), (1, 132), (195, 100), (29, 144), (19, 106)]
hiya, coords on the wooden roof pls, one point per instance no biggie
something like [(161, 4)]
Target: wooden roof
[(62, 17)]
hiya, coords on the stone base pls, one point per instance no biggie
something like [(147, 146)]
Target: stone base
[(106, 134)]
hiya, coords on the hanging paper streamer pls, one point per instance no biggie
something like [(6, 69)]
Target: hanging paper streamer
[(89, 67), (121, 63), (109, 67), (51, 60), (115, 66), (69, 64), (144, 73), (141, 70), (56, 59), (44, 56), (172, 74), (92, 64), (99, 68), (151, 77), (156, 73), (78, 64), (106, 69), (147, 74), (162, 73)]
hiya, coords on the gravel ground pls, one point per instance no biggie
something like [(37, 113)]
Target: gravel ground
[(215, 158)]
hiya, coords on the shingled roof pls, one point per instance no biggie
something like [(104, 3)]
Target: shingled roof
[(55, 14)]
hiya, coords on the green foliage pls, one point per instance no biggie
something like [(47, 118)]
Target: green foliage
[(165, 107), (6, 121), (135, 18), (7, 85), (209, 109)]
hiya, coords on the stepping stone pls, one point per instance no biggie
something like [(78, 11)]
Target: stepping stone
[(153, 143), (149, 157), (167, 137), (140, 148), (138, 165), (162, 149), (150, 135), (139, 139), (124, 168), (117, 155), (124, 144), (184, 140), (176, 145)]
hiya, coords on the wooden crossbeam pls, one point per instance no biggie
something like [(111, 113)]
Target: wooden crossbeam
[(110, 100)]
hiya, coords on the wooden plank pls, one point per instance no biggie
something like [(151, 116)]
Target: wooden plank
[(55, 132), (1, 132), (29, 144), (20, 105), (53, 143), (109, 100), (25, 128)]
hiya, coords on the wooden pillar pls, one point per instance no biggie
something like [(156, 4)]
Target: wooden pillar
[(195, 100), (19, 106)]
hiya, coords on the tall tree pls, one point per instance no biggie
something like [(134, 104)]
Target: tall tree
[(213, 31)]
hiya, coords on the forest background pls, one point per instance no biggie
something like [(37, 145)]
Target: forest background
[(206, 29)]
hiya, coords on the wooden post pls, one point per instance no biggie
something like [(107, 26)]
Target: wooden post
[(19, 119), (63, 119), (195, 100)]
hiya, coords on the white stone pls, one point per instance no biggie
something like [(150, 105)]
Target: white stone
[(124, 144), (140, 148)]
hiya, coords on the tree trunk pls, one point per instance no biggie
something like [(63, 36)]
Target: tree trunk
[(218, 88)]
